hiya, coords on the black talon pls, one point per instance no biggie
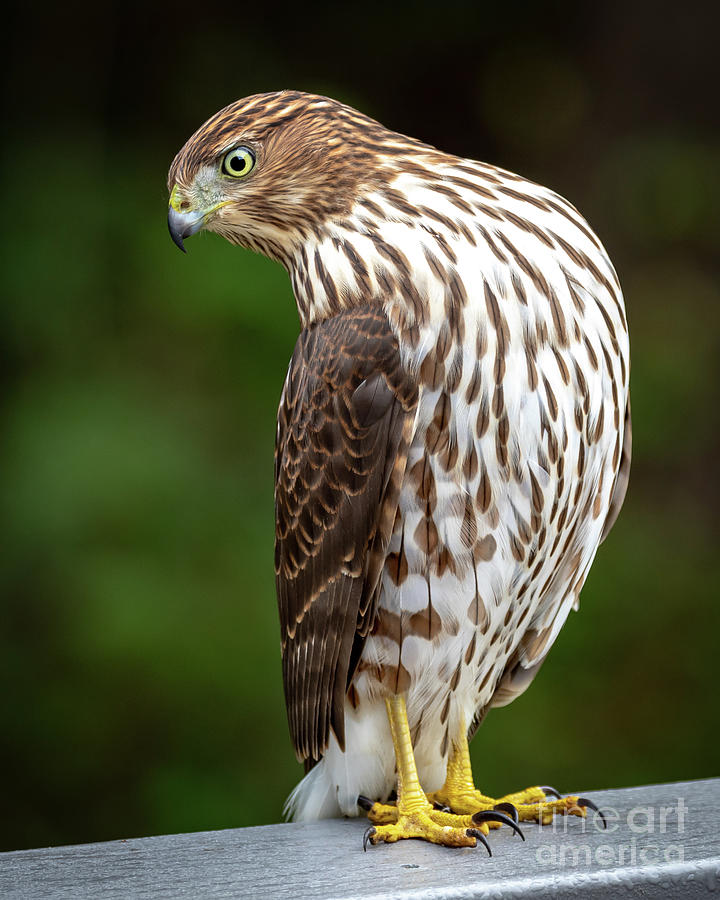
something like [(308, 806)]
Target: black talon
[(473, 832), (493, 815), (441, 807), (584, 802), (369, 832), (550, 792), (365, 803), (509, 809)]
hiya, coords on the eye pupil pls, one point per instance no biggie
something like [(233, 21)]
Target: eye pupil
[(237, 163)]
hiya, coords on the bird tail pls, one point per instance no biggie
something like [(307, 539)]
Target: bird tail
[(313, 797), (366, 766)]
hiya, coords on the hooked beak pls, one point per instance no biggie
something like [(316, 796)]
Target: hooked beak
[(182, 225)]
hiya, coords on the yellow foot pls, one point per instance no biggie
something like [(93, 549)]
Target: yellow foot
[(534, 804), (434, 825), (429, 825)]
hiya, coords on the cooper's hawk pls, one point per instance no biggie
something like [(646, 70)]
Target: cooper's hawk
[(453, 442)]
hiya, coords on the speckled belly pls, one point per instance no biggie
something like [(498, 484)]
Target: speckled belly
[(492, 541)]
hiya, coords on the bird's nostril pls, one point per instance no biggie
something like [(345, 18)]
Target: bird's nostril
[(184, 205)]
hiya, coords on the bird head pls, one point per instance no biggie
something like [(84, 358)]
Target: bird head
[(268, 171)]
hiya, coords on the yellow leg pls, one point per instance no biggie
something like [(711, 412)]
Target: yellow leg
[(414, 816), (462, 797)]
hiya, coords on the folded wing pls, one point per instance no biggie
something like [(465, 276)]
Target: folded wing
[(344, 426)]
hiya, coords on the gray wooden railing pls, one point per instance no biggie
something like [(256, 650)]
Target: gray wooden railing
[(662, 841)]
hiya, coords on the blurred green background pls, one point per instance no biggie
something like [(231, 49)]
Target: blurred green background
[(139, 644)]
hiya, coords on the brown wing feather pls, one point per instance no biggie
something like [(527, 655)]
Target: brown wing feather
[(344, 426)]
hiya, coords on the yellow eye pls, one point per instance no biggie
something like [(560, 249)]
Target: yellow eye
[(239, 162)]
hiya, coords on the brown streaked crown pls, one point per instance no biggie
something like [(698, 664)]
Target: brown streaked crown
[(315, 120)]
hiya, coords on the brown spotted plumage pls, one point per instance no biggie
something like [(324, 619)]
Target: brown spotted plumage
[(454, 432)]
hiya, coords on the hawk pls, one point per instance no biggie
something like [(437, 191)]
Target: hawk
[(453, 444)]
